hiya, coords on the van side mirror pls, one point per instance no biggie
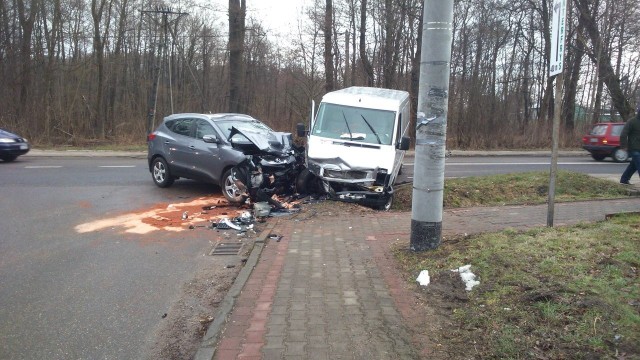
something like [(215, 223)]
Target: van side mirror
[(210, 139), (301, 130), (404, 143)]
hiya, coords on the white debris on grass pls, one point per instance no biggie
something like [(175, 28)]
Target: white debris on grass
[(467, 276), (423, 278)]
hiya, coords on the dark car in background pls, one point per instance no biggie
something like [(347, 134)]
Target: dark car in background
[(12, 146), (604, 141), (237, 152)]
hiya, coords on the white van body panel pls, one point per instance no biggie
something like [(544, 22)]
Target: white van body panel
[(373, 120)]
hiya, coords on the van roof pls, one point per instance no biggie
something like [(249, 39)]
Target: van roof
[(376, 98)]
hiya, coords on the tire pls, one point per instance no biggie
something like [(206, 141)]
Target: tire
[(230, 190), (305, 183), (160, 173), (620, 155), (598, 157), (9, 158), (387, 204)]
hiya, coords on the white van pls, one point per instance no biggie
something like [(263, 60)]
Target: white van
[(357, 142)]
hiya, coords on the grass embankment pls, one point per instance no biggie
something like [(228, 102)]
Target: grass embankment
[(552, 293), (517, 188)]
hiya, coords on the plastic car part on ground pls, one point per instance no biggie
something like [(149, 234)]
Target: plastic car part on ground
[(241, 223)]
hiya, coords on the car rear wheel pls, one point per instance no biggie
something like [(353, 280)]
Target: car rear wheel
[(598, 157), (161, 173), (620, 155), (230, 189)]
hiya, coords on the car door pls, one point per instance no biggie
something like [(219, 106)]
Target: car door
[(180, 147), (206, 156)]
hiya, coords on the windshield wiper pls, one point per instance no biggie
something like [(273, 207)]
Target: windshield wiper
[(348, 128), (371, 127)]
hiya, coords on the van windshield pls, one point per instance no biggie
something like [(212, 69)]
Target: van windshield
[(350, 123)]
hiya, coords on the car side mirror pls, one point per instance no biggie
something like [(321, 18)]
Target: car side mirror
[(404, 143), (210, 139), (302, 132)]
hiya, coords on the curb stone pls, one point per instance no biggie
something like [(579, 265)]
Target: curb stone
[(207, 348)]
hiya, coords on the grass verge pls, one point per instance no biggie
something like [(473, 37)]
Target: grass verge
[(551, 293), (517, 188)]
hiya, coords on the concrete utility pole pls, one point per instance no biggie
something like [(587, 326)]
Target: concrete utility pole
[(431, 130)]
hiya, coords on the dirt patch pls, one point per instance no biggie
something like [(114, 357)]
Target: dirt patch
[(181, 329)]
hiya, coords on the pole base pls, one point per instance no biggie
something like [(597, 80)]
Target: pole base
[(425, 235)]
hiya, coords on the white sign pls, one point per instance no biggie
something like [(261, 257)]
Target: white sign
[(557, 36)]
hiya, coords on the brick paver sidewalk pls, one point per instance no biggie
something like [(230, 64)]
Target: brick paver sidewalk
[(328, 289)]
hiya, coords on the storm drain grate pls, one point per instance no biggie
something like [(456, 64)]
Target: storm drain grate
[(226, 249)]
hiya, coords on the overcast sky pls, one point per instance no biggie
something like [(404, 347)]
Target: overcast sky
[(278, 17)]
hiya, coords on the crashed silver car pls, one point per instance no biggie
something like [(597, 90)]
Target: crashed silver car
[(239, 153)]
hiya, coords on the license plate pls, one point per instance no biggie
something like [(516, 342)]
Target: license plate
[(593, 140), (23, 146)]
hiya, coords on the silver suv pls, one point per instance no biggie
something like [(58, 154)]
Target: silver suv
[(215, 148)]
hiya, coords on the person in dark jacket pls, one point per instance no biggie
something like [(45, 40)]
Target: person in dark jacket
[(630, 141)]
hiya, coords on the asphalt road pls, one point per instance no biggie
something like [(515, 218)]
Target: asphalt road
[(93, 295), (102, 294)]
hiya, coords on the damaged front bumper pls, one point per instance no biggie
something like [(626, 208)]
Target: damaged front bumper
[(368, 187), (368, 198)]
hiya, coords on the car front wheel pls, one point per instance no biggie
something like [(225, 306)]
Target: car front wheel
[(620, 155), (161, 173), (9, 158), (386, 206), (230, 189)]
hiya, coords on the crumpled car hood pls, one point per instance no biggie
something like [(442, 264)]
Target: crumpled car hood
[(272, 142)]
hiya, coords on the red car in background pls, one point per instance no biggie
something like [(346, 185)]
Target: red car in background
[(604, 141)]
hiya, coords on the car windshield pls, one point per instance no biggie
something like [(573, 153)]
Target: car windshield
[(599, 130), (242, 125), (371, 126)]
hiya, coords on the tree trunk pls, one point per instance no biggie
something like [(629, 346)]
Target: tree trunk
[(237, 14), (26, 23), (574, 62), (366, 64), (388, 68), (328, 55)]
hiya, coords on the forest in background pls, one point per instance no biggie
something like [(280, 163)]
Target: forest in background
[(81, 72)]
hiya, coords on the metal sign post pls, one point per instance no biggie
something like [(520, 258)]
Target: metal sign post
[(555, 69)]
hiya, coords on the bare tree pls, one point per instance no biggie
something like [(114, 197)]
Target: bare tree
[(602, 59)]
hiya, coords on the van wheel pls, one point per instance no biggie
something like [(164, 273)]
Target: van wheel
[(306, 183), (386, 206), (620, 155)]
